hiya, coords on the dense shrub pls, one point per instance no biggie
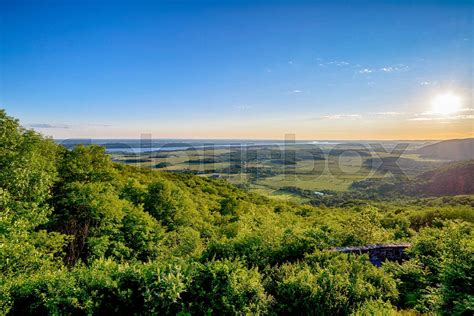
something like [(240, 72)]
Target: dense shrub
[(328, 284), (45, 293), (105, 287), (365, 228), (227, 287), (169, 204), (380, 308), (439, 274)]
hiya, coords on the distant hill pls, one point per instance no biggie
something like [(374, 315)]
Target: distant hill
[(455, 178), (454, 149), (452, 179)]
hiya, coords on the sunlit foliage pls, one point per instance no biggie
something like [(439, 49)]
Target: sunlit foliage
[(82, 235)]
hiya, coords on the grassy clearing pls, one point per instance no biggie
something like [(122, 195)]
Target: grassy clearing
[(335, 172)]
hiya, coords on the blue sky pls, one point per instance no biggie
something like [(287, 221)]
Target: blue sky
[(196, 69)]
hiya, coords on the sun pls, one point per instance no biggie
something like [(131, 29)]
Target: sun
[(446, 103)]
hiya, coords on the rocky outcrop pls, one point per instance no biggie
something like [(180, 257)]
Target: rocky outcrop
[(378, 253)]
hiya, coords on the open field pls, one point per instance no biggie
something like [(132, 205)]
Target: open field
[(269, 169)]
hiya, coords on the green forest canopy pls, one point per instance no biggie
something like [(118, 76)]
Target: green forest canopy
[(80, 234)]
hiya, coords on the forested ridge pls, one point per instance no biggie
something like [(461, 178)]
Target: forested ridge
[(80, 234)]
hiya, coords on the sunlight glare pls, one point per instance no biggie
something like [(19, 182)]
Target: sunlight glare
[(446, 103)]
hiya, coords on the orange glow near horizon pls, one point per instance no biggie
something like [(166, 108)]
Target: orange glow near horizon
[(362, 129)]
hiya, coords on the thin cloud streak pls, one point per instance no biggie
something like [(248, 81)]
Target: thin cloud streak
[(386, 69), (339, 116), (443, 118), (47, 125), (389, 113)]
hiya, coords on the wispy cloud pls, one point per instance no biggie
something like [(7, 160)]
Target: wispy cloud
[(356, 116), (443, 118), (47, 125), (337, 63), (365, 71), (425, 83), (64, 126), (341, 63), (464, 117), (395, 68), (296, 91), (462, 110), (99, 125), (461, 114), (340, 116), (385, 69), (420, 119), (389, 113)]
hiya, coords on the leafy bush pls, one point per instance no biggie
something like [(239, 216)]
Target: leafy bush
[(439, 274), (105, 287), (365, 228), (227, 287), (380, 308), (328, 284), (169, 204)]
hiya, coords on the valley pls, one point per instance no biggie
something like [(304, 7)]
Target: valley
[(274, 171)]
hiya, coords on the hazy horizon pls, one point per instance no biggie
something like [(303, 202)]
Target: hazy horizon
[(252, 139)]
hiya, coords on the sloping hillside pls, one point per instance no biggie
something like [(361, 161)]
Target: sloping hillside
[(453, 179), (454, 149)]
